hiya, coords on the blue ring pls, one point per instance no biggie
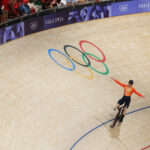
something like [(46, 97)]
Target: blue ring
[(49, 52)]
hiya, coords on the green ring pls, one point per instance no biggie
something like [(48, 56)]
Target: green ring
[(104, 73)]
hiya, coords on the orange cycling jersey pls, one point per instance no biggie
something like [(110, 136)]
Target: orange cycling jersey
[(128, 90)]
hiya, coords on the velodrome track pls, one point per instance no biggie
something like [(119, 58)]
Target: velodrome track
[(46, 107)]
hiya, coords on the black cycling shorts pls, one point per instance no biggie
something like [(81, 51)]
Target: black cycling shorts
[(125, 100)]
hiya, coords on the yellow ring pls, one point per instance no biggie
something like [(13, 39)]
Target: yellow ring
[(90, 70)]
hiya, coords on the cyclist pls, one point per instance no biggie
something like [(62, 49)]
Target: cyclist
[(126, 99)]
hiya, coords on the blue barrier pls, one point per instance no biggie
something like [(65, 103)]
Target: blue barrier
[(81, 14)]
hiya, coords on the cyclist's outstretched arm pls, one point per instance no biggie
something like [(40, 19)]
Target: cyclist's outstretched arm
[(137, 93), (118, 82)]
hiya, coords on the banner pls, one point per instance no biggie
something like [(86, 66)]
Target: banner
[(55, 20), (1, 36), (78, 15), (123, 8), (12, 32), (89, 13), (33, 25), (142, 6), (67, 16)]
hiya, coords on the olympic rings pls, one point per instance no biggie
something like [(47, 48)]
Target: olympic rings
[(49, 52), (88, 77), (65, 49), (83, 41), (104, 73), (85, 58)]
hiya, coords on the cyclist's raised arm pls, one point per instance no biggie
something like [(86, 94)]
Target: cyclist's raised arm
[(118, 82), (137, 93)]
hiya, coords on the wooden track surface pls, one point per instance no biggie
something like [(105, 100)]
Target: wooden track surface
[(45, 107)]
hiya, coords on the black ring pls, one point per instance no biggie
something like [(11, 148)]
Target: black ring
[(65, 49)]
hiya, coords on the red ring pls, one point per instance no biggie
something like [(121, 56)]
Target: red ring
[(83, 41), (146, 147)]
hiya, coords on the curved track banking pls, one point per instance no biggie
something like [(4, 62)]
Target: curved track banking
[(92, 130), (46, 107)]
